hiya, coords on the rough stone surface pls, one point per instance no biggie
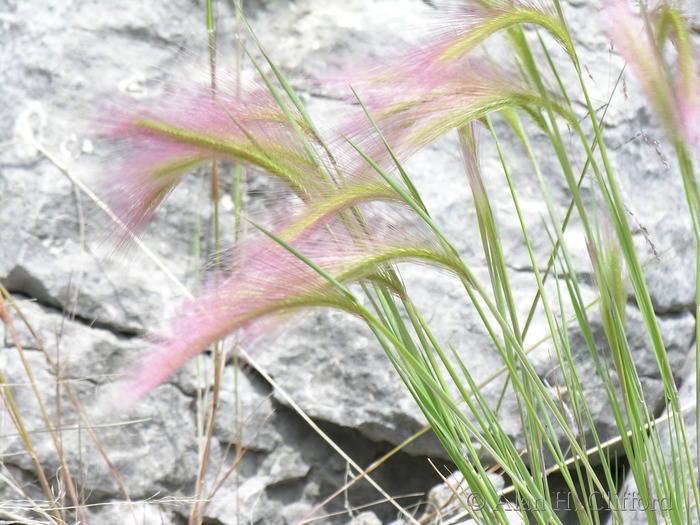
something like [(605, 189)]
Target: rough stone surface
[(445, 500), (88, 307), (366, 518), (118, 512)]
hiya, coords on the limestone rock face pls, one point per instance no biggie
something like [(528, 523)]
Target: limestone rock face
[(89, 308)]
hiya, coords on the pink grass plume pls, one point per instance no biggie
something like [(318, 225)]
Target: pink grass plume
[(270, 284), (161, 144), (673, 89)]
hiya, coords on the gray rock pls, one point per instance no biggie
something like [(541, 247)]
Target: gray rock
[(445, 501), (245, 414), (285, 465), (119, 512), (296, 512), (321, 39), (365, 518), (62, 62), (146, 444), (64, 65), (328, 351), (249, 501)]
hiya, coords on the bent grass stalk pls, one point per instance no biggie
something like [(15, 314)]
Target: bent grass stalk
[(205, 441)]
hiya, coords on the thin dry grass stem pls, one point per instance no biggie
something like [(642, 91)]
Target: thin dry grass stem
[(222, 478), (119, 224), (458, 494), (16, 518), (288, 399), (78, 427), (361, 475), (64, 474), (15, 414), (16, 418), (76, 406), (240, 451), (358, 508), (26, 501), (197, 514)]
